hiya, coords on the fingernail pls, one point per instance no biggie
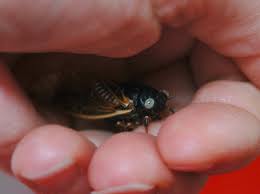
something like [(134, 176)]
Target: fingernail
[(130, 188), (61, 177), (33, 174)]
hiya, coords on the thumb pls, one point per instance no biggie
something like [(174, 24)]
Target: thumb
[(231, 27)]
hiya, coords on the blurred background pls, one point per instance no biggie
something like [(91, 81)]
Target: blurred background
[(244, 181), (8, 185)]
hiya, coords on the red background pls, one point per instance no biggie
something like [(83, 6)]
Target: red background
[(244, 181)]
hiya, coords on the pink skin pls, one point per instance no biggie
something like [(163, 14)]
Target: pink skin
[(64, 164), (218, 130)]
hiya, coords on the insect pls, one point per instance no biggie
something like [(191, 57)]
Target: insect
[(126, 105)]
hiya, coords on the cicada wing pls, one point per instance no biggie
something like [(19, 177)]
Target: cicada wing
[(99, 114), (98, 110), (104, 100), (110, 92)]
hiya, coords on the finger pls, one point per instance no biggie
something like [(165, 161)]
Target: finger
[(114, 28), (18, 117), (239, 94), (230, 27), (219, 131), (173, 44), (58, 162), (129, 163), (207, 65)]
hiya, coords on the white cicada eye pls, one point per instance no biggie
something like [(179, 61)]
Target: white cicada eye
[(149, 103)]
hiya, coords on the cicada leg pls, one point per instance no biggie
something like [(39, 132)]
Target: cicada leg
[(120, 124), (146, 121), (125, 126)]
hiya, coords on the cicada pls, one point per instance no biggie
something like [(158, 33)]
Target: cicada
[(126, 105)]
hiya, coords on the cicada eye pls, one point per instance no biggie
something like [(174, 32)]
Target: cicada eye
[(149, 103)]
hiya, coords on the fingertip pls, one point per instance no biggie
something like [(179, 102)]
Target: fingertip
[(208, 137), (58, 159), (128, 158)]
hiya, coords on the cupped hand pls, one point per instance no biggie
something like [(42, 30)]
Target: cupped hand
[(216, 128)]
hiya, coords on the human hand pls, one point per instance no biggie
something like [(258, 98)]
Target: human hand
[(218, 131)]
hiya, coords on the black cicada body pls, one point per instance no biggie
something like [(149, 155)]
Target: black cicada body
[(125, 105)]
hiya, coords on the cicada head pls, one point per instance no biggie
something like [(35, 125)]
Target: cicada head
[(152, 101)]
